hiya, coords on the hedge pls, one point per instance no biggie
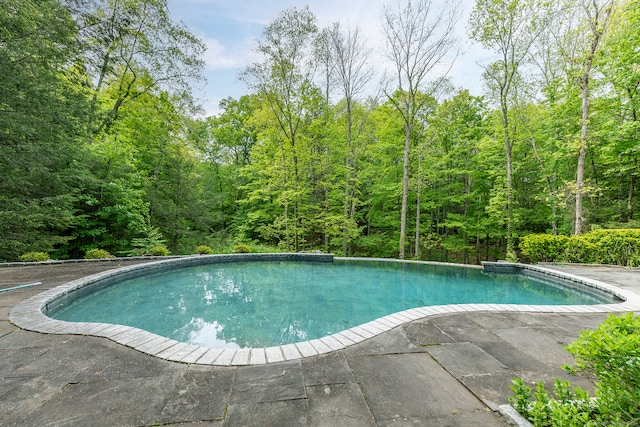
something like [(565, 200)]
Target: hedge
[(612, 247)]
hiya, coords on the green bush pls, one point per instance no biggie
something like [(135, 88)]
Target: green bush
[(34, 257), (145, 245), (612, 354), (97, 254), (617, 247), (600, 246), (580, 250), (241, 249), (566, 407), (543, 247), (159, 250), (203, 249)]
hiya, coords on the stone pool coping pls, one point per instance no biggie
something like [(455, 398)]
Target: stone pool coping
[(29, 314)]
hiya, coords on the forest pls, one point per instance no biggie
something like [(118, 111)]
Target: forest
[(103, 145)]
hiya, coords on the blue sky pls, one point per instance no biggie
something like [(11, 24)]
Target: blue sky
[(229, 29)]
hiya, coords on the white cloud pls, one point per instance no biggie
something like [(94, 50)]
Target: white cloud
[(216, 56)]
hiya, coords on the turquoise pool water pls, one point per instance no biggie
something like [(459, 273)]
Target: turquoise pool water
[(261, 304)]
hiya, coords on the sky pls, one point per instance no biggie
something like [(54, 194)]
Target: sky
[(230, 28)]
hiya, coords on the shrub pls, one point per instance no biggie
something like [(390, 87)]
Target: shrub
[(159, 250), (581, 250), (618, 247), (145, 245), (543, 247), (241, 249), (600, 246), (97, 254), (566, 407), (612, 354), (34, 257), (203, 249)]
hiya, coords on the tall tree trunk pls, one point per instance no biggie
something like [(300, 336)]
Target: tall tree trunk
[(632, 185), (405, 189), (582, 154), (286, 201), (509, 170), (347, 164), (296, 214), (418, 201), (598, 16), (326, 199)]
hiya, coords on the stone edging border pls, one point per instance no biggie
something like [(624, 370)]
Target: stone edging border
[(29, 315)]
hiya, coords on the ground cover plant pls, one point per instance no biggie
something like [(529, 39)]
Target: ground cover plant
[(611, 354)]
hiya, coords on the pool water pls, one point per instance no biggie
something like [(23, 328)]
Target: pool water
[(261, 304)]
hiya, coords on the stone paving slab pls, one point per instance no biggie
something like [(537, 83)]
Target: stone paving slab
[(462, 328), (106, 403), (385, 344), (461, 358), (426, 332), (200, 394), (512, 358), (481, 418), (291, 413), (410, 386), (545, 348), (13, 359), (333, 405), (329, 369), (275, 382), (22, 396)]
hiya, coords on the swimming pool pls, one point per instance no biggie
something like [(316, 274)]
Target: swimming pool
[(230, 349), (267, 303)]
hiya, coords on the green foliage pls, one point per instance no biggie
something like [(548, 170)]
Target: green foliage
[(241, 249), (566, 407), (99, 147), (543, 247), (612, 354), (144, 245), (34, 257), (41, 104), (97, 254), (203, 250), (600, 246), (511, 255), (159, 250)]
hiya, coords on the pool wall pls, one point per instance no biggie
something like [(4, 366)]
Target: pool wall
[(565, 280), (30, 314)]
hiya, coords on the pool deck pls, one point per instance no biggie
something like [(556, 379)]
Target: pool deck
[(451, 369)]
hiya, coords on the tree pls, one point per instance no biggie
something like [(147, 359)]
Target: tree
[(510, 28), (41, 103), (381, 184), (134, 47), (596, 15), (456, 177), (621, 106), (418, 37), (227, 148), (352, 73), (285, 81)]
